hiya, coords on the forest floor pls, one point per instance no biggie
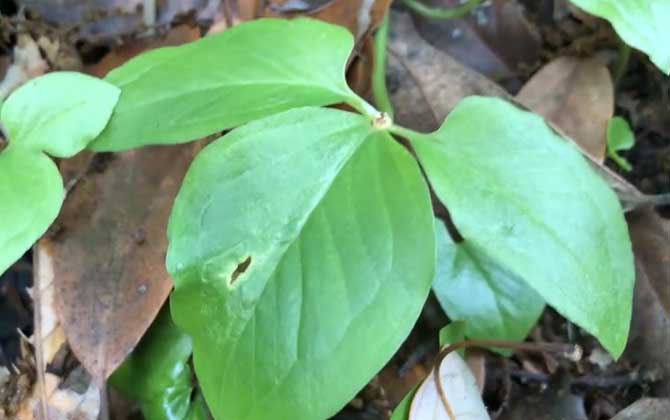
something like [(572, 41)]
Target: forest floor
[(545, 55)]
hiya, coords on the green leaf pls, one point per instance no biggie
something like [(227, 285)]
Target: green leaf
[(302, 248), (640, 23), (401, 412), (32, 193), (253, 70), (157, 374), (495, 303), (58, 113), (619, 137), (527, 198), (453, 332)]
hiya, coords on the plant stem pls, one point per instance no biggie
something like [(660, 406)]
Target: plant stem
[(405, 132), (437, 13), (379, 89), (362, 106)]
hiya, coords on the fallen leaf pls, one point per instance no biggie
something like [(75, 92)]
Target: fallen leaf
[(460, 389), (109, 252), (646, 409), (495, 39), (650, 329), (576, 95), (425, 83)]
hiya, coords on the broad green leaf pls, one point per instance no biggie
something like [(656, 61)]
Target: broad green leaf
[(401, 412), (495, 303), (58, 113), (640, 23), (157, 374), (32, 193), (253, 70), (619, 137), (302, 248), (527, 199)]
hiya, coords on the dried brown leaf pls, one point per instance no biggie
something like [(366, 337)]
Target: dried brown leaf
[(109, 252), (576, 95)]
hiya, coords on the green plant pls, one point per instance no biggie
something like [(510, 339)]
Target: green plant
[(619, 137), (303, 242)]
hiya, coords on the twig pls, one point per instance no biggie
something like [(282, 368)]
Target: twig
[(379, 88), (590, 381)]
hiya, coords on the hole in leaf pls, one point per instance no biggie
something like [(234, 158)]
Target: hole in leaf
[(241, 268)]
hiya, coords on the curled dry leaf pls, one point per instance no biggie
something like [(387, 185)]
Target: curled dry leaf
[(460, 389), (576, 95), (108, 252)]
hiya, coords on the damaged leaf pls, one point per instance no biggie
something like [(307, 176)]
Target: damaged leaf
[(319, 201)]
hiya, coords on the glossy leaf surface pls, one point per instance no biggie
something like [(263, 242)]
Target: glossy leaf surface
[(291, 252), (59, 113), (640, 23), (495, 303), (178, 94), (528, 199), (32, 193), (157, 374)]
